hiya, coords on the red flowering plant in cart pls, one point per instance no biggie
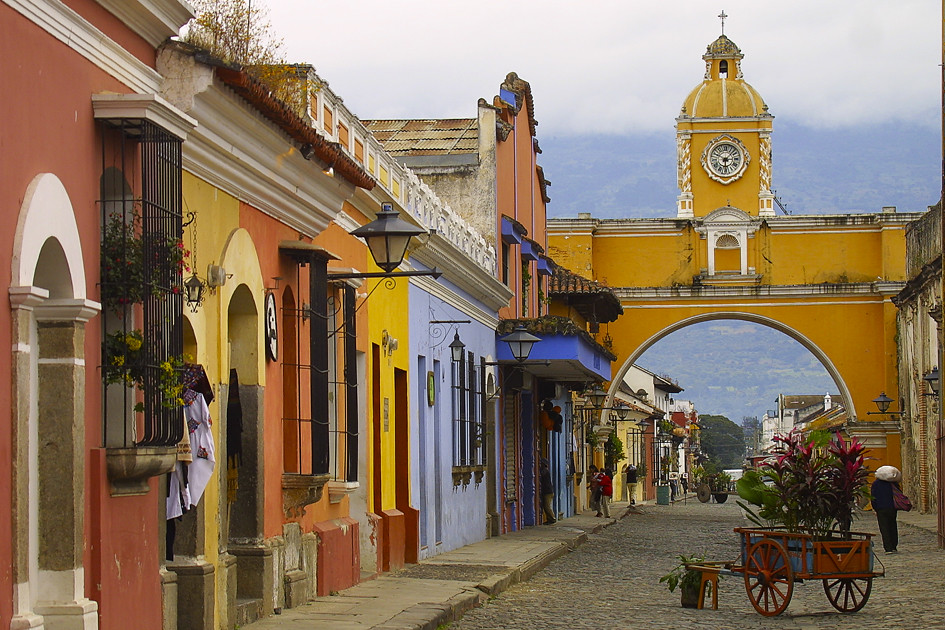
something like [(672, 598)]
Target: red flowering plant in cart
[(811, 484)]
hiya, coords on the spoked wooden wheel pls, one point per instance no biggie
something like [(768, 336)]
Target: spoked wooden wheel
[(769, 578), (703, 493), (848, 594)]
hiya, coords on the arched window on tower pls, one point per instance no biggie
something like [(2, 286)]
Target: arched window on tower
[(723, 69), (727, 254)]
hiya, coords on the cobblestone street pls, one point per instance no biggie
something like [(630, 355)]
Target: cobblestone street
[(612, 581)]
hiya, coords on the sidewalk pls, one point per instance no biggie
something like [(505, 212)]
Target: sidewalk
[(440, 589), (928, 522)]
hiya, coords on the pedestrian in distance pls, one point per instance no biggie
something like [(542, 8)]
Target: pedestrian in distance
[(593, 483), (887, 481), (606, 493), (632, 483), (673, 485), (547, 492)]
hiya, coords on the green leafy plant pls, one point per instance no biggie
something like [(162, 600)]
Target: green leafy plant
[(811, 485), (681, 576), (613, 450), (126, 256), (125, 363)]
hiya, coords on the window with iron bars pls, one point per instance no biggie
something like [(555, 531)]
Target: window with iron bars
[(320, 411), (141, 278), (468, 409)]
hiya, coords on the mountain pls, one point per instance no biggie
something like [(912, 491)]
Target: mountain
[(815, 171), (735, 368)]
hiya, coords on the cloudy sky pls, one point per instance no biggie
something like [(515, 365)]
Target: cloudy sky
[(854, 87), (619, 66)]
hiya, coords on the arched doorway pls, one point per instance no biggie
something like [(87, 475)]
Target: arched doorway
[(49, 311)]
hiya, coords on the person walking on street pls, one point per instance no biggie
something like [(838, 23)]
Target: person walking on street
[(593, 482), (632, 483), (606, 492), (547, 492), (881, 493)]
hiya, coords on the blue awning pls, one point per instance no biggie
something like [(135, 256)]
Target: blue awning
[(566, 358), (529, 252), (512, 231)]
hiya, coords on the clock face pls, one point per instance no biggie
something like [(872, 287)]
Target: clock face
[(725, 159)]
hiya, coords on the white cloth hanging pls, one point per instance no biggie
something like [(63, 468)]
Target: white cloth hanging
[(200, 469)]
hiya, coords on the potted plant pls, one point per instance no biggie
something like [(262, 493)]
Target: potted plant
[(686, 579)]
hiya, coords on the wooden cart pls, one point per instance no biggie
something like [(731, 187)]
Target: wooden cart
[(772, 560)]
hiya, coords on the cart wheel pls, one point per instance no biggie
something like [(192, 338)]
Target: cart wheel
[(703, 493), (769, 578), (848, 594)]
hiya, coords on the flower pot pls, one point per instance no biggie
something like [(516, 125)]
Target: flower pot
[(689, 596)]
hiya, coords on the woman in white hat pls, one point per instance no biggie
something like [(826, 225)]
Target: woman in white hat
[(882, 502)]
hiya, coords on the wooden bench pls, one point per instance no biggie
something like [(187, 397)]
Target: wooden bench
[(709, 574)]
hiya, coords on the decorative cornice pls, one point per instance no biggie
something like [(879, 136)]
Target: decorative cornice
[(879, 291), (155, 21)]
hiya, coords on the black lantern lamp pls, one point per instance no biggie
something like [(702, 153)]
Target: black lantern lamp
[(882, 402), (622, 411), (931, 379), (387, 237), (596, 396), (520, 343), (457, 348), (194, 287)]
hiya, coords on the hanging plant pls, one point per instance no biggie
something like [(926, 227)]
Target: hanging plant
[(126, 363), (129, 258)]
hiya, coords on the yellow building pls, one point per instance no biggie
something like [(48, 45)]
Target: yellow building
[(824, 280)]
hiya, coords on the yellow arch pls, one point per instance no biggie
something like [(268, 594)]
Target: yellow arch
[(742, 316)]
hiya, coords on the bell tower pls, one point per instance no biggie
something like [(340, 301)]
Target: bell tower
[(723, 140)]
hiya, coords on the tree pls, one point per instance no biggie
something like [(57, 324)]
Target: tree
[(235, 31), (722, 440), (239, 33)]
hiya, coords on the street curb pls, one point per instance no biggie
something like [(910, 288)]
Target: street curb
[(432, 615)]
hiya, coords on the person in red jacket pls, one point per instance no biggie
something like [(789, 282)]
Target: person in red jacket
[(606, 492)]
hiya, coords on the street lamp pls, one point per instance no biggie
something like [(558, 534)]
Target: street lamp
[(932, 381), (194, 287), (882, 402), (596, 396), (520, 343), (387, 237), (457, 348)]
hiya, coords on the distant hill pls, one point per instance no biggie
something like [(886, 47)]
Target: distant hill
[(736, 368), (814, 171)]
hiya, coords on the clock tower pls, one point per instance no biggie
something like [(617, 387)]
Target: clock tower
[(723, 141)]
